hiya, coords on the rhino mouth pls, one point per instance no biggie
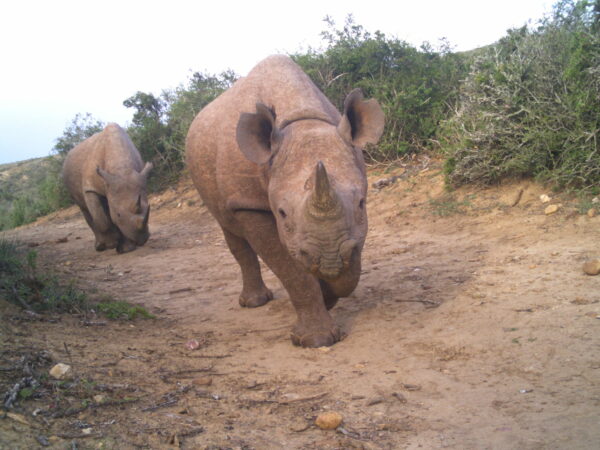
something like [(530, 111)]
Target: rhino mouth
[(330, 263)]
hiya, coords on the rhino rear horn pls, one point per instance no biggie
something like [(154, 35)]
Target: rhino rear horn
[(146, 170), (363, 120)]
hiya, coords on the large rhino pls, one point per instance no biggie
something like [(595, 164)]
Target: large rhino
[(283, 173), (106, 177)]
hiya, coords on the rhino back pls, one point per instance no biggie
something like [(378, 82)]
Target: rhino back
[(217, 166)]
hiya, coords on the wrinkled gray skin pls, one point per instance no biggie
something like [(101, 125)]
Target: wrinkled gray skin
[(283, 173), (106, 177)]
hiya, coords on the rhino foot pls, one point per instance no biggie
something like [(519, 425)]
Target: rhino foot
[(315, 338), (256, 300), (125, 245), (100, 246)]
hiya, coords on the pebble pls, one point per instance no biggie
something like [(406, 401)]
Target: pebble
[(99, 398), (61, 371), (192, 344), (591, 212), (328, 420), (300, 425), (550, 209), (202, 381), (592, 267), (544, 198)]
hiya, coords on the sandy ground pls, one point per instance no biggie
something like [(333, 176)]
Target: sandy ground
[(473, 327)]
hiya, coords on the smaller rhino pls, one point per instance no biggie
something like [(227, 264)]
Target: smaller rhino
[(106, 177)]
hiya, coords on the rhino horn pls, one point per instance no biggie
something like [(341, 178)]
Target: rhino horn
[(324, 202)]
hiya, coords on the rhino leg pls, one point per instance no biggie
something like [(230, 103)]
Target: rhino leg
[(104, 239), (254, 292), (314, 327), (329, 297), (125, 245)]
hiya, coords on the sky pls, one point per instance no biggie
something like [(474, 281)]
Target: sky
[(63, 57)]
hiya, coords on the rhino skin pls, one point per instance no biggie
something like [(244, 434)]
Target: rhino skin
[(283, 173), (106, 177)]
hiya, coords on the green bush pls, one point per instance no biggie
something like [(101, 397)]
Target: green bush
[(417, 88), (160, 124), (530, 106)]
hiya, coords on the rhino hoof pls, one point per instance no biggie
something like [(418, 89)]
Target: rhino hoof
[(316, 339), (125, 247), (254, 301), (101, 246)]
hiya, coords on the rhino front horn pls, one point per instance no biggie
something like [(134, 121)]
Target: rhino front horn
[(324, 202)]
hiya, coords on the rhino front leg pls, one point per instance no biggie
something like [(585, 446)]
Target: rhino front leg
[(314, 326), (254, 292), (97, 216)]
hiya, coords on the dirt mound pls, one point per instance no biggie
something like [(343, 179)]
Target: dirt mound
[(473, 326)]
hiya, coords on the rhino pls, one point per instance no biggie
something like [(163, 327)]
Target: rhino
[(282, 172), (106, 177)]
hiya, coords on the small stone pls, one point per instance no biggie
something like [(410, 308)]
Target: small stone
[(544, 198), (592, 267), (591, 212), (61, 371), (192, 344), (202, 381), (595, 200), (86, 431), (99, 398), (299, 426), (329, 420), (550, 209)]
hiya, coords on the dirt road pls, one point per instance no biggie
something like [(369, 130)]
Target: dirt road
[(473, 327)]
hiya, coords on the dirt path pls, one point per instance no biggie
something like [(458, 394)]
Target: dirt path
[(473, 327)]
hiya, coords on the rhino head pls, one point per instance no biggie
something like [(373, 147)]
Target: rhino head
[(128, 202), (316, 179)]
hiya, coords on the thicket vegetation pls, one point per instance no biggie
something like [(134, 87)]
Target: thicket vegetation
[(528, 105), (417, 88)]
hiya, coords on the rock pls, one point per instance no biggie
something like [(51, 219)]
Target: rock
[(592, 267), (99, 398), (544, 198), (202, 381), (192, 344), (591, 212), (328, 420), (595, 200), (551, 209), (61, 371), (299, 425)]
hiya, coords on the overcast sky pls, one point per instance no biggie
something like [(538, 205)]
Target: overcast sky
[(62, 57)]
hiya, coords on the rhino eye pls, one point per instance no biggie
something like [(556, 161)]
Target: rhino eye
[(282, 213), (361, 204)]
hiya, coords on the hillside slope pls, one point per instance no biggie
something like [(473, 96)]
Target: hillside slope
[(473, 327)]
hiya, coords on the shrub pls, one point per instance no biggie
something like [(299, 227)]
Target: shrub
[(416, 88), (530, 105)]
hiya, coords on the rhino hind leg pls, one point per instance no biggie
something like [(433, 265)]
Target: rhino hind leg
[(314, 326), (254, 292)]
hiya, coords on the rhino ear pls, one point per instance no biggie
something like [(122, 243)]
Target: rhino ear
[(109, 178), (257, 134), (363, 120)]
